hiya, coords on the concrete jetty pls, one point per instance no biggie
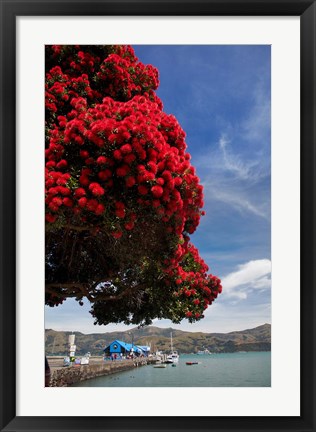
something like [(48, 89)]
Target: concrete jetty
[(66, 376)]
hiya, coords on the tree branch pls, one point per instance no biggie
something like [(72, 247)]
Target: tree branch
[(75, 287), (84, 289)]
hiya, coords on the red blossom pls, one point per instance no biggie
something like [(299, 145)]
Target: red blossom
[(117, 155), (117, 234), (68, 202), (130, 182), (82, 202), (126, 149), (129, 226), (96, 189), (142, 190), (123, 170), (80, 192), (105, 174), (100, 209), (101, 160), (120, 213), (157, 191), (50, 217)]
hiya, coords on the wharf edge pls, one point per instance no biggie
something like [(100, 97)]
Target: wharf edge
[(67, 376)]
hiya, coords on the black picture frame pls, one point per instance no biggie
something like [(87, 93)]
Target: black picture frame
[(10, 9)]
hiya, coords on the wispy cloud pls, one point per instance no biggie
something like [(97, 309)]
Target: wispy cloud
[(232, 162), (236, 198), (257, 125), (253, 275), (239, 180)]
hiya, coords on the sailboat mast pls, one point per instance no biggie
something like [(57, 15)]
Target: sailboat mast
[(171, 342)]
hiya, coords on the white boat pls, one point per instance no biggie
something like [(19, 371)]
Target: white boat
[(160, 365), (173, 357), (205, 351)]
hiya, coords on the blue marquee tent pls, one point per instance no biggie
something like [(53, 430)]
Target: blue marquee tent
[(120, 347)]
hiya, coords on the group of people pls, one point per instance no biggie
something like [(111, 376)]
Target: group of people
[(120, 356), (117, 356)]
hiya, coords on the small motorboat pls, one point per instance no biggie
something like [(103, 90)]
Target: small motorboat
[(160, 365), (191, 363)]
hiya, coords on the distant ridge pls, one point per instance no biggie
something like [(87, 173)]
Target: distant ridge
[(255, 339)]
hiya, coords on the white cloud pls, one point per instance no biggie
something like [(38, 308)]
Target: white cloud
[(253, 275), (223, 317), (262, 283), (230, 317)]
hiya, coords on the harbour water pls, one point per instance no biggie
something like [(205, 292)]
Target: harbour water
[(241, 369)]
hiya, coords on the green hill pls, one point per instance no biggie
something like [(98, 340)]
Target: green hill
[(256, 339)]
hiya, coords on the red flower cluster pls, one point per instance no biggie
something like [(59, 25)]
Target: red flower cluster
[(60, 89), (125, 77), (95, 72), (131, 146), (112, 155), (193, 287)]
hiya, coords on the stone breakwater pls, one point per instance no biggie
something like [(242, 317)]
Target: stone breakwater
[(66, 376)]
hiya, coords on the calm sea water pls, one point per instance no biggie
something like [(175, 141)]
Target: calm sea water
[(251, 369)]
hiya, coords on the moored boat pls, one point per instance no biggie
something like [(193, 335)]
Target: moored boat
[(173, 357), (205, 351)]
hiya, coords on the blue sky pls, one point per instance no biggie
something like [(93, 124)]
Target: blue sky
[(221, 98)]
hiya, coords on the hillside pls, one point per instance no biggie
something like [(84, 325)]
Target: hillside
[(256, 339)]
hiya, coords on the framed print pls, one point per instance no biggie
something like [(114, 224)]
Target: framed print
[(118, 175)]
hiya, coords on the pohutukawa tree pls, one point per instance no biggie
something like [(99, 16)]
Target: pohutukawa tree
[(122, 197)]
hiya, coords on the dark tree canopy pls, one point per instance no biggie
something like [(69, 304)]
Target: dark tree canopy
[(122, 197)]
